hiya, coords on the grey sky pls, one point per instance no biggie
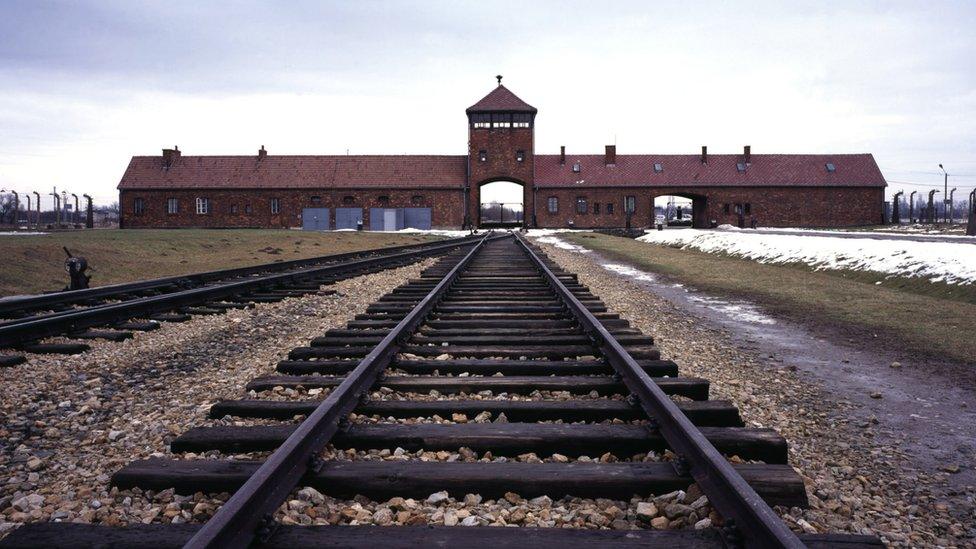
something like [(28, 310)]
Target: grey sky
[(86, 85)]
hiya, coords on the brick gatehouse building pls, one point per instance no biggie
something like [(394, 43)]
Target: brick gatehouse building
[(444, 191)]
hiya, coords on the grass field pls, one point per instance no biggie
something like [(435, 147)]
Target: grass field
[(912, 315), (32, 264)]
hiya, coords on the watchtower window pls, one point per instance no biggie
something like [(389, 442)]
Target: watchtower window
[(581, 205), (481, 120), (348, 200), (417, 199), (482, 155), (553, 204), (577, 167), (519, 156), (521, 120), (501, 121)]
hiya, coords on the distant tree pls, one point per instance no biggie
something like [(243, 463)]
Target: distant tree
[(113, 208), (7, 207)]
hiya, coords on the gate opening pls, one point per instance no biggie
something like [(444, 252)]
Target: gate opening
[(680, 211), (501, 204)]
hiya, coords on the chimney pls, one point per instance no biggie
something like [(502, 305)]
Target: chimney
[(170, 156), (704, 156), (611, 155), (747, 153), (262, 153), (562, 154)]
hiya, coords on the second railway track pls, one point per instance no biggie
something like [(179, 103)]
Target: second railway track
[(26, 320), (495, 331)]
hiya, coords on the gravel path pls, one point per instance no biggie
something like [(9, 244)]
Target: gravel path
[(855, 485), (69, 422)]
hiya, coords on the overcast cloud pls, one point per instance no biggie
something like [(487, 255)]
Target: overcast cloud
[(86, 85)]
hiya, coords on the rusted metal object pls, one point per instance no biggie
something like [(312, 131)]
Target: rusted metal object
[(76, 268)]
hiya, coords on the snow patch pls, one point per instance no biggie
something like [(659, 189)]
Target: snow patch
[(935, 261), (19, 233), (736, 310), (630, 272)]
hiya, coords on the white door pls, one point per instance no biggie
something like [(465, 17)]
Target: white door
[(389, 220)]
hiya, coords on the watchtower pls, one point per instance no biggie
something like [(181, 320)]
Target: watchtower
[(501, 130)]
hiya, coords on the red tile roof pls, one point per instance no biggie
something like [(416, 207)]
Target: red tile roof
[(854, 170), (501, 99), (295, 172)]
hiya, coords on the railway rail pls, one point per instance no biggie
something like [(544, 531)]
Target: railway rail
[(498, 317), (25, 320)]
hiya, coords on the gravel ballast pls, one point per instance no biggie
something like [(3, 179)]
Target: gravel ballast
[(69, 422), (854, 484)]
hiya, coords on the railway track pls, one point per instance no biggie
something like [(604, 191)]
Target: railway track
[(497, 331), (26, 320)]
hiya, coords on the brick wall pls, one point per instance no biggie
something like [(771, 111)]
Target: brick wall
[(769, 206), (501, 146), (446, 206)]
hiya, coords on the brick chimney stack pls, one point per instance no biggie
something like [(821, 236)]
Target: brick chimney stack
[(170, 156), (611, 155), (562, 154), (704, 156), (747, 153), (262, 153)]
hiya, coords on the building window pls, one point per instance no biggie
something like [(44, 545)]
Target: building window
[(630, 204), (748, 208), (725, 208), (501, 121), (383, 200), (581, 205), (275, 205), (609, 207), (482, 155), (417, 199), (203, 206), (139, 206), (738, 209), (481, 120), (596, 208), (658, 167), (247, 208), (553, 204), (521, 120), (519, 156), (316, 199), (348, 200), (233, 208), (172, 205), (577, 167)]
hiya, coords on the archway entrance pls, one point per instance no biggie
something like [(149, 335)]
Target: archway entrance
[(680, 210), (501, 204)]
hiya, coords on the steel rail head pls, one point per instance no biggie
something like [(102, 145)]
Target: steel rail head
[(237, 522), (17, 331), (727, 491)]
